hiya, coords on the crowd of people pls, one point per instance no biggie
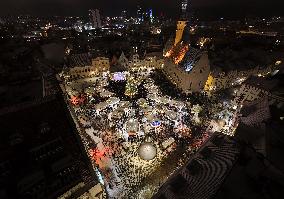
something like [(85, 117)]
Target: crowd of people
[(114, 133)]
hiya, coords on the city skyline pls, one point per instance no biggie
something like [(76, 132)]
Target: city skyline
[(140, 99), (204, 8)]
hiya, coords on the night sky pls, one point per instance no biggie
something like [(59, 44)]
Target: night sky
[(213, 8)]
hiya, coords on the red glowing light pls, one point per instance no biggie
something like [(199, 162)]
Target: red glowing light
[(78, 100), (97, 154), (181, 54)]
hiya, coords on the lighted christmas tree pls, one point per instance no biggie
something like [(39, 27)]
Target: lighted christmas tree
[(131, 88)]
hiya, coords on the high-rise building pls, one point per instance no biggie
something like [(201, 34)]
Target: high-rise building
[(151, 15), (140, 14), (95, 18), (124, 14)]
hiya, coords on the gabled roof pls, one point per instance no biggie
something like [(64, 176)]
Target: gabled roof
[(122, 58), (190, 59)]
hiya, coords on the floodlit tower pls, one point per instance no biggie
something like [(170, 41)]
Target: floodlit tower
[(179, 32), (181, 24), (184, 9)]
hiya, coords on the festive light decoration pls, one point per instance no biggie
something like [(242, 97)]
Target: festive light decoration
[(162, 117), (169, 53), (119, 76), (202, 41), (209, 83), (177, 53), (95, 153), (121, 123), (131, 87), (184, 131), (156, 123), (74, 100), (147, 151), (78, 100), (181, 54), (132, 133)]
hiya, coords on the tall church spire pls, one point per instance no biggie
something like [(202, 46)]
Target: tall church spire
[(182, 23), (184, 9), (179, 31)]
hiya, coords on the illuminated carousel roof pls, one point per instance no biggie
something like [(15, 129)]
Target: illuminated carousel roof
[(147, 151)]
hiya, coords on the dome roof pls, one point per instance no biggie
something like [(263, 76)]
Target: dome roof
[(147, 151)]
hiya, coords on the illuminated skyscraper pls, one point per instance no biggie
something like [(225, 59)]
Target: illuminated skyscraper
[(95, 18), (151, 15), (140, 14), (124, 14)]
